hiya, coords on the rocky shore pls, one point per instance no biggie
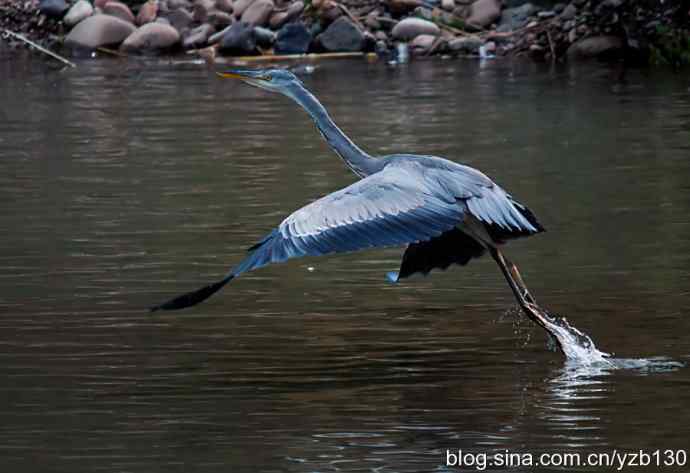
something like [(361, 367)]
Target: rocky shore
[(550, 31)]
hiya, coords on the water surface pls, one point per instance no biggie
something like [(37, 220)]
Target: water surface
[(123, 184)]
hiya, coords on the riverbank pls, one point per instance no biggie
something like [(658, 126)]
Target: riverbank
[(641, 32)]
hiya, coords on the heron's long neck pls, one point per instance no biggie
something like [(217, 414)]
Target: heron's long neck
[(360, 162)]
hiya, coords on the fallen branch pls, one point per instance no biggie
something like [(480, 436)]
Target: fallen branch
[(111, 52), (40, 48)]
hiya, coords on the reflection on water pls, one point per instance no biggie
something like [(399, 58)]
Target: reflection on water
[(126, 183)]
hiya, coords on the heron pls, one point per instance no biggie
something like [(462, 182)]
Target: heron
[(444, 213)]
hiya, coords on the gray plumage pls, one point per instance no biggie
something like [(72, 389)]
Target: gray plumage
[(443, 211)]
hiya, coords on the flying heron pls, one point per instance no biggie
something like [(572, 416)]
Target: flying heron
[(446, 213)]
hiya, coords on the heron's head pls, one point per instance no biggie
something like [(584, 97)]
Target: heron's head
[(275, 80)]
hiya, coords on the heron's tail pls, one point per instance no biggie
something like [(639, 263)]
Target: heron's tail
[(193, 298), (268, 250)]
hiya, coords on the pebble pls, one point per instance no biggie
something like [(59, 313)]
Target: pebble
[(119, 10), (79, 11), (151, 37), (409, 28)]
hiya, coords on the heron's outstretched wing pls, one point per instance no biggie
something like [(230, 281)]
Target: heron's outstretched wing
[(396, 206)]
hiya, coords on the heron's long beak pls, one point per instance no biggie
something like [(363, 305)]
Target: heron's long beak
[(247, 75)]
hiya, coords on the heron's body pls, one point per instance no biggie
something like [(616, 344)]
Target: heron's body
[(445, 213)]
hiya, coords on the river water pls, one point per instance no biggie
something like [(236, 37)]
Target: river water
[(125, 183)]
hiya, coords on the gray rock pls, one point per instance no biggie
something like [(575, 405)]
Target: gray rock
[(79, 11), (371, 21), (277, 19), (465, 45), (515, 18), (342, 35), (264, 37), (293, 38), (295, 9), (595, 46), (180, 19), (422, 43), (543, 15), (484, 12), (224, 5), (53, 8), (151, 37), (409, 28), (238, 40), (175, 4), (119, 10), (569, 12), (258, 13), (147, 12), (240, 6), (198, 37), (216, 37), (201, 10), (293, 12), (99, 30), (220, 19)]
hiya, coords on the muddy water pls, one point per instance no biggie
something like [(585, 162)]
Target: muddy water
[(124, 184)]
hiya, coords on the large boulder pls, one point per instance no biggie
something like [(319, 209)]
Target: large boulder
[(258, 13), (151, 37), (409, 28), (238, 40), (484, 12), (79, 11), (596, 47), (517, 17), (147, 12), (53, 8), (293, 38), (343, 36), (99, 30), (119, 10)]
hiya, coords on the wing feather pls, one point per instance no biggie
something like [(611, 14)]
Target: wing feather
[(393, 207)]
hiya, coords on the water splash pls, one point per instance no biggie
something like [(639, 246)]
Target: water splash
[(577, 346), (584, 359)]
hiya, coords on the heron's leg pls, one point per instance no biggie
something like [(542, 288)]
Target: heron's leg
[(524, 298), (518, 279)]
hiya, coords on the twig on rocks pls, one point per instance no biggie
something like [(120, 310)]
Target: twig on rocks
[(39, 47), (112, 52)]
